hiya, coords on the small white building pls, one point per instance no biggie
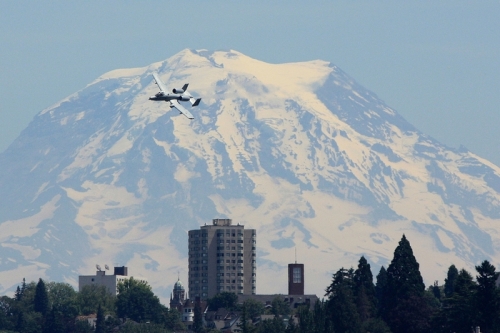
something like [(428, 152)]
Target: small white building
[(109, 281)]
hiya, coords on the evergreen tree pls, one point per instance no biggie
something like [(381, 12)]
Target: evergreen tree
[(405, 292), (306, 323), (341, 304), (364, 290), (381, 290), (53, 323), (23, 286), (436, 290), (291, 327), (100, 324), (449, 282), (320, 317), (17, 294), (245, 321), (198, 319), (488, 302), (41, 301), (21, 323), (459, 311)]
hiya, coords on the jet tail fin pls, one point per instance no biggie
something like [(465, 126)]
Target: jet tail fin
[(195, 101)]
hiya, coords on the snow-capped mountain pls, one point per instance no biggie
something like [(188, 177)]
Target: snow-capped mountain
[(299, 151)]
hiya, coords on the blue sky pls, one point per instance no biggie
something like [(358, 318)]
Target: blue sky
[(435, 62)]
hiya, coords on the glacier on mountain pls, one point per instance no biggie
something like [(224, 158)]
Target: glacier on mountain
[(298, 151)]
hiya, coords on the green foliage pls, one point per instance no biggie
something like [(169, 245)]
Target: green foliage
[(403, 274), (63, 298), (245, 321), (7, 313), (54, 323), (375, 325), (291, 328), (364, 291), (275, 325), (320, 318), (488, 300), (411, 315), (131, 327), (41, 301), (459, 311), (224, 299), (405, 308), (173, 320), (100, 324), (83, 326), (136, 301), (306, 319), (29, 322), (279, 306), (198, 319), (254, 308), (28, 297), (341, 303), (449, 282), (92, 296), (381, 290)]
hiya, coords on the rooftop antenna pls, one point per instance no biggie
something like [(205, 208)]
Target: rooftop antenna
[(107, 267), (296, 254), (98, 267)]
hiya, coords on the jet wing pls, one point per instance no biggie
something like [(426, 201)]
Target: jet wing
[(175, 104), (160, 84)]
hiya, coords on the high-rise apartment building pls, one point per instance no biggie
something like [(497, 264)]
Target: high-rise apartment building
[(221, 258)]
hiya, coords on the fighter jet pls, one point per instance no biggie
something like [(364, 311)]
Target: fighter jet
[(175, 97)]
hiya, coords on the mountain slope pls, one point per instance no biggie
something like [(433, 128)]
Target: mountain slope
[(299, 151)]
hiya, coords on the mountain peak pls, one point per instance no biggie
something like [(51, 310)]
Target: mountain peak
[(298, 151)]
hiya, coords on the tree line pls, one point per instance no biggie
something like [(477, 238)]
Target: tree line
[(54, 307), (397, 302)]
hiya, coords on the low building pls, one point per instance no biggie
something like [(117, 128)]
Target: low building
[(109, 281)]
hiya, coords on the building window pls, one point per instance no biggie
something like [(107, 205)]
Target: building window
[(297, 275)]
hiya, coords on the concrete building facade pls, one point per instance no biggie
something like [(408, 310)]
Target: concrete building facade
[(222, 257), (109, 281)]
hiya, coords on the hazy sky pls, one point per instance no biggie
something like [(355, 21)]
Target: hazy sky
[(435, 62)]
